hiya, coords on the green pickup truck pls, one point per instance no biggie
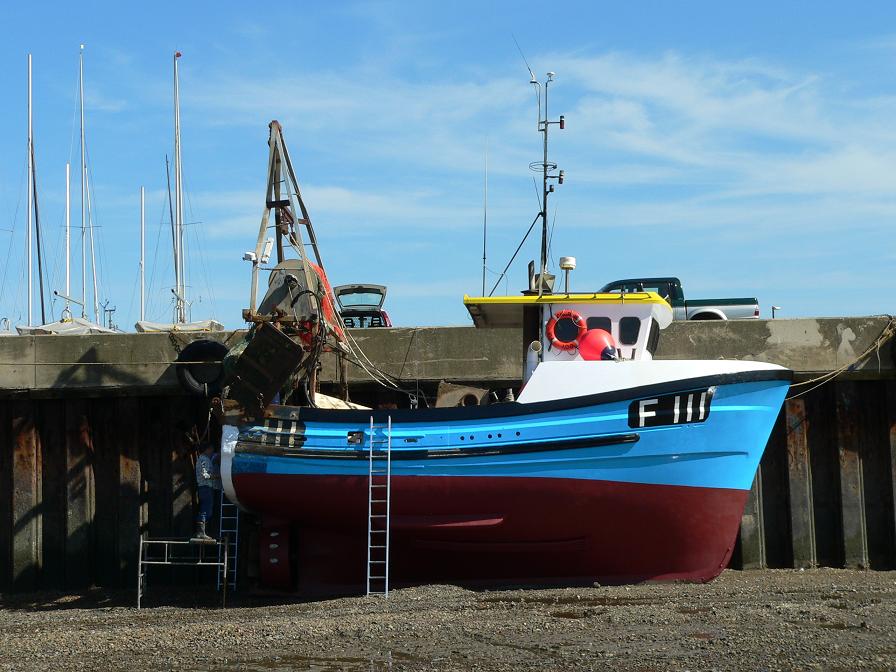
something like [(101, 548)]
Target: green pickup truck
[(688, 309)]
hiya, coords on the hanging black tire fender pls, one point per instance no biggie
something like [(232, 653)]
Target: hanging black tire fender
[(197, 377)]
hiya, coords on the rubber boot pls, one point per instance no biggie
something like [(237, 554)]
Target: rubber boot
[(201, 537)]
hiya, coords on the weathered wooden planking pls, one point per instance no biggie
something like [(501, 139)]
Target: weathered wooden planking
[(824, 459), (155, 465), (51, 425), (876, 479), (5, 497), (26, 498), (891, 427), (130, 489), (79, 493), (775, 505), (186, 424), (852, 488), (799, 470), (752, 528), (105, 425)]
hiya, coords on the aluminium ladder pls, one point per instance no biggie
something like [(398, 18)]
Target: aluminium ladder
[(228, 534), (379, 493)]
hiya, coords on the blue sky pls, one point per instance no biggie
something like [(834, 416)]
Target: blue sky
[(749, 150)]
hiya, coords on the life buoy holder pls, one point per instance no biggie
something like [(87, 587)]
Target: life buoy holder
[(552, 325)]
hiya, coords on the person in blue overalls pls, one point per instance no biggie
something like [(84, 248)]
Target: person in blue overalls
[(208, 482)]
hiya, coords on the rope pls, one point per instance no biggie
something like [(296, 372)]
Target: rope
[(888, 331)]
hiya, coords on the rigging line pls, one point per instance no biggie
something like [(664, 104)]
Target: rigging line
[(519, 247), (152, 272), (40, 262), (104, 260), (56, 265), (204, 268), (12, 236), (551, 234), (203, 263), (532, 74), (887, 333), (356, 350), (171, 215)]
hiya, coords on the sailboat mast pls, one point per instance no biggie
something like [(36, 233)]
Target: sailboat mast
[(40, 262), (142, 251), (30, 187), (68, 235), (83, 187), (178, 207)]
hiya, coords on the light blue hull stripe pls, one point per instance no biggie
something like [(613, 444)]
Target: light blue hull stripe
[(721, 452)]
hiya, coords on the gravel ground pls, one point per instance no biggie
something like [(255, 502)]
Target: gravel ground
[(769, 620)]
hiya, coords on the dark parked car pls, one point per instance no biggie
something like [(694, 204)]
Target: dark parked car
[(362, 305)]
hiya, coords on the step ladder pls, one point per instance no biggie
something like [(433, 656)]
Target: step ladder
[(229, 534), (379, 507)]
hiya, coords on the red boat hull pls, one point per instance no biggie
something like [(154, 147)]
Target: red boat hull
[(496, 530)]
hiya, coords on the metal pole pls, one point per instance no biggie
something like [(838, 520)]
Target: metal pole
[(96, 300), (83, 188), (484, 216), (544, 200), (142, 250), (140, 572), (226, 541), (30, 186), (178, 204), (68, 233)]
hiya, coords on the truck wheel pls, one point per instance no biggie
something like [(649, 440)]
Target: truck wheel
[(706, 316)]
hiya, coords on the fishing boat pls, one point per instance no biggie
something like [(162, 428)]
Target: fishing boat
[(609, 466)]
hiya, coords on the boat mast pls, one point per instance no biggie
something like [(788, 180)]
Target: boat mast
[(30, 186), (546, 168), (142, 251), (68, 237), (40, 262), (484, 215), (83, 187), (180, 282)]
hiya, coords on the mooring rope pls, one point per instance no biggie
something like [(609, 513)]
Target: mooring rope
[(888, 331)]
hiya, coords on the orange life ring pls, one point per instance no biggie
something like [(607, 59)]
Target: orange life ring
[(552, 324)]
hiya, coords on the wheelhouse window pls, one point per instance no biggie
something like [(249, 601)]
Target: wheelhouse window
[(599, 323), (629, 328), (654, 338)]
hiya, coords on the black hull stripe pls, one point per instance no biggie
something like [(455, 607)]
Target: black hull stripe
[(472, 451), (515, 408)]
